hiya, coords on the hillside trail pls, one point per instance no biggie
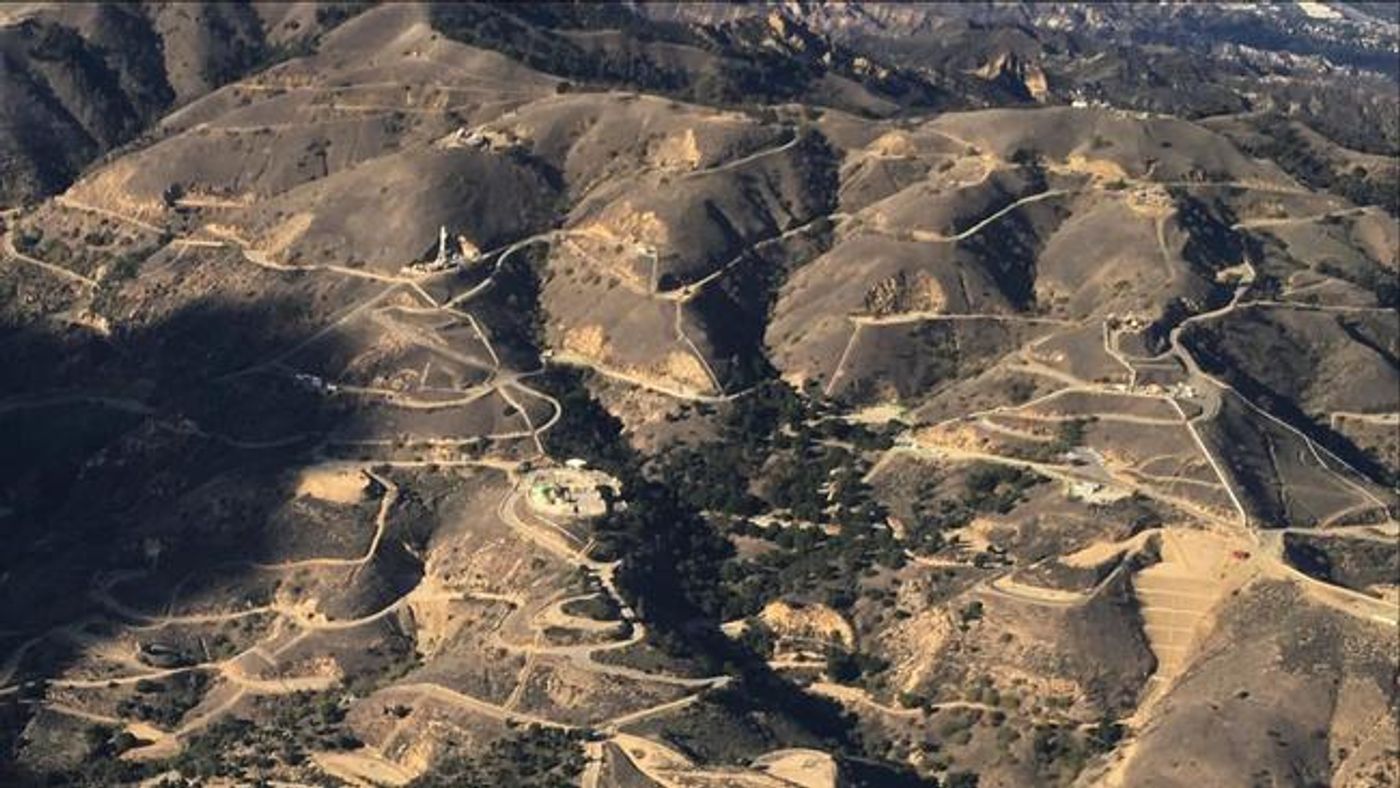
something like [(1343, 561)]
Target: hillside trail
[(8, 249), (1178, 595)]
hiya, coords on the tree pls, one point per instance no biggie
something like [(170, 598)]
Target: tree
[(172, 194), (842, 667)]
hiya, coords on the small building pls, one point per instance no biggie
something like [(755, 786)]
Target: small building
[(1096, 493)]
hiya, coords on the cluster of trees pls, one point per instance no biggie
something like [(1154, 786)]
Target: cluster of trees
[(670, 554), (330, 15), (783, 437), (683, 577), (677, 565), (165, 701), (1060, 752), (534, 757), (671, 558), (992, 487), (86, 254), (600, 607), (395, 657), (287, 730), (848, 667), (714, 476), (101, 768), (816, 483), (988, 488), (803, 463), (585, 428), (812, 563), (1057, 752), (1283, 143)]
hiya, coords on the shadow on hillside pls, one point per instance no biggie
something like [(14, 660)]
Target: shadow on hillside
[(106, 439), (114, 438)]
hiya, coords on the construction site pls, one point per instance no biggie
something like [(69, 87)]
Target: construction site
[(571, 491)]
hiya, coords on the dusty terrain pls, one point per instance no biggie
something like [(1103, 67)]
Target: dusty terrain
[(417, 395)]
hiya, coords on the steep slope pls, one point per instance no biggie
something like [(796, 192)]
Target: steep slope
[(82, 79)]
